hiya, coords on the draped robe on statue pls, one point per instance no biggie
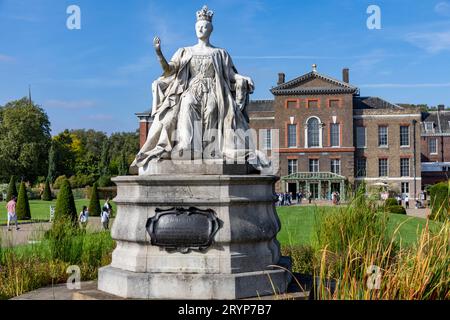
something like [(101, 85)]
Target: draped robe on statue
[(171, 109)]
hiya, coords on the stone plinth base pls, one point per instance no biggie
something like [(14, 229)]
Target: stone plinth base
[(239, 263), (191, 286)]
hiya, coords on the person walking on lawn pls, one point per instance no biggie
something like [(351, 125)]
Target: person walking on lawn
[(11, 208), (105, 219)]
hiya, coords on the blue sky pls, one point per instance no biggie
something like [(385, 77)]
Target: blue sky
[(99, 76)]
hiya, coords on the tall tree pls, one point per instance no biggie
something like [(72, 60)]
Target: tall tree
[(123, 164), (24, 140), (52, 164), (105, 160), (65, 155)]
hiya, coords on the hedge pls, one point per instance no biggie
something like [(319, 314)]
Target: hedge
[(23, 206), (65, 204), (439, 201), (94, 203)]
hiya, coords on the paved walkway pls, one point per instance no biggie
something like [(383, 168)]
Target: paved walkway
[(30, 232), (57, 292)]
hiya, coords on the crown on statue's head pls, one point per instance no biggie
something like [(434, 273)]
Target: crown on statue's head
[(205, 14)]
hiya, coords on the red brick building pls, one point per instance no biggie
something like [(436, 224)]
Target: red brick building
[(328, 137), (435, 145)]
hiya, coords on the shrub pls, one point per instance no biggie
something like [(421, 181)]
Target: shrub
[(81, 181), (94, 203), (105, 181), (47, 194), (391, 202), (65, 204), (303, 258), (396, 209), (12, 190), (440, 206), (23, 206), (58, 182)]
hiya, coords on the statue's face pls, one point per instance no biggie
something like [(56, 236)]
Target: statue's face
[(203, 29)]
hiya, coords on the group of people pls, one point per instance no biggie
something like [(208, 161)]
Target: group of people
[(83, 218), (336, 198), (286, 198), (104, 217), (283, 199), (405, 198)]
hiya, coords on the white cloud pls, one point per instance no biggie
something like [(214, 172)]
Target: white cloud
[(443, 8), (432, 42), (62, 104), (143, 64), (281, 57), (5, 58), (100, 117)]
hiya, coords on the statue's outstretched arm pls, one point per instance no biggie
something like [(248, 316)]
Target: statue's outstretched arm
[(167, 68), (238, 77)]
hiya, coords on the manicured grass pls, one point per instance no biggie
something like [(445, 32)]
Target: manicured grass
[(40, 210), (297, 225)]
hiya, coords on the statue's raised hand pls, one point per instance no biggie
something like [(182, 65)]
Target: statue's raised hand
[(157, 44)]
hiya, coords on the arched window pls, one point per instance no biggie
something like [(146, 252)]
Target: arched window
[(314, 131)]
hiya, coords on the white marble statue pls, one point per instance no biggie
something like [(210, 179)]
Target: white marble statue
[(199, 105)]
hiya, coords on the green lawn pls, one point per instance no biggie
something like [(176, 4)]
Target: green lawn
[(40, 210), (297, 225), (297, 222)]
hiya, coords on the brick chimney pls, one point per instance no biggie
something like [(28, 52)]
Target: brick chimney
[(346, 75), (281, 78)]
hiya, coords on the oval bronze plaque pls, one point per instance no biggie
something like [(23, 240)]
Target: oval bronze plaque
[(183, 229)]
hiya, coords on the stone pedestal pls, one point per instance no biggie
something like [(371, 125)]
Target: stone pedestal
[(243, 261)]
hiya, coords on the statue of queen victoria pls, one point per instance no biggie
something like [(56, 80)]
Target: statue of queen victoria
[(199, 105)]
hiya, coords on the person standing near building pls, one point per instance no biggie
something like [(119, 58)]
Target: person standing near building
[(407, 201), (11, 208)]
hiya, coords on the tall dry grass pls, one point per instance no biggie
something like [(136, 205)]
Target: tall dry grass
[(26, 268), (358, 260)]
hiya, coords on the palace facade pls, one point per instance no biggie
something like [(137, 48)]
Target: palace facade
[(328, 137)]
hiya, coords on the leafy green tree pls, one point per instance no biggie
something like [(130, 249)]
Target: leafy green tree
[(105, 160), (123, 164), (24, 140), (65, 155), (23, 206), (12, 189), (94, 203), (120, 143), (65, 204), (52, 165), (47, 194)]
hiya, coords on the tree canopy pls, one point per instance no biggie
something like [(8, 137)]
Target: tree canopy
[(24, 140)]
